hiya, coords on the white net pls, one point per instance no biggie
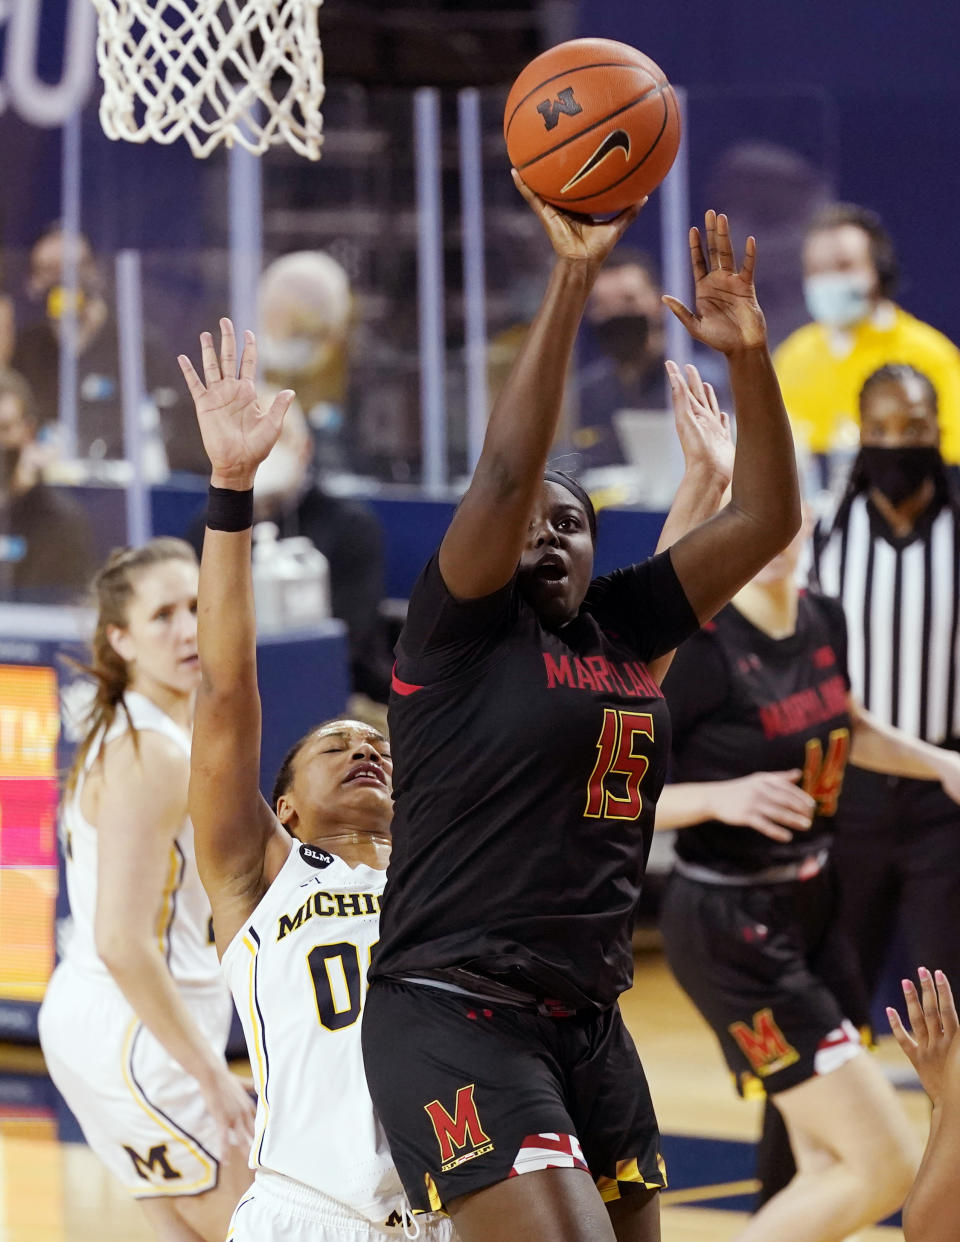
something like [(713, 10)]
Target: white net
[(212, 71)]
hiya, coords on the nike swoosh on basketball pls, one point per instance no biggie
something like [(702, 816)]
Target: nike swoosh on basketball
[(616, 140)]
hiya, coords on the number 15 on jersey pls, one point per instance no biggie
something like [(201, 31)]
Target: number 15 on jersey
[(617, 757)]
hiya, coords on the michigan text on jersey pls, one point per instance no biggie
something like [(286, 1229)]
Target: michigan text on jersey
[(324, 905)]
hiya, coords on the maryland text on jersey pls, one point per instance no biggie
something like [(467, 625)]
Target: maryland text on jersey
[(325, 905), (805, 709), (597, 673)]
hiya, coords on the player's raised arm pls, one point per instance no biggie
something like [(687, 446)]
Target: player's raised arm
[(705, 437), (483, 544), (719, 556), (235, 830), (703, 430)]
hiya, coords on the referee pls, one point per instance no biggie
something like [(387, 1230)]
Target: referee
[(891, 554)]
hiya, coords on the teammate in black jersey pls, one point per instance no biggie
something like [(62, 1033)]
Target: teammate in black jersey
[(530, 747), (763, 725)]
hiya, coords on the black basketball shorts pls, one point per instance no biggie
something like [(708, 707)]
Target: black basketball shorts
[(773, 973), (472, 1092)]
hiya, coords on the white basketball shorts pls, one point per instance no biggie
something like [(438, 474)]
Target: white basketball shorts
[(278, 1209), (140, 1112)]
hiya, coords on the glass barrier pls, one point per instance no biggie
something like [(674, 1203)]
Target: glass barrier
[(390, 284)]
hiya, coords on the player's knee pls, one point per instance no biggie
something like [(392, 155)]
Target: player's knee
[(903, 1170), (885, 1170)]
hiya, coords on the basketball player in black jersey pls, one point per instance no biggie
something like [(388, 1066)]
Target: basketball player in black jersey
[(763, 725), (530, 748)]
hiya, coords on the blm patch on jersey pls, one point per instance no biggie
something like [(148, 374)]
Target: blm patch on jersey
[(316, 858)]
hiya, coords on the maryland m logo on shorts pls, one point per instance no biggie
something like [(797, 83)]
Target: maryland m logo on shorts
[(764, 1044), (461, 1136)]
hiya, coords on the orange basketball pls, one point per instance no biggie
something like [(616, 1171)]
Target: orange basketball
[(592, 125)]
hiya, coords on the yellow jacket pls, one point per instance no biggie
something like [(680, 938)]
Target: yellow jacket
[(821, 371)]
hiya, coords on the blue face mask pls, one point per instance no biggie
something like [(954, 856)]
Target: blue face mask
[(837, 299)]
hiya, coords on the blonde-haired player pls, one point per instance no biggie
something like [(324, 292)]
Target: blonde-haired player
[(135, 1019), (295, 892)]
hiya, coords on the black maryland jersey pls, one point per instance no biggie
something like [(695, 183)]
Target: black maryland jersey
[(744, 702), (527, 764)]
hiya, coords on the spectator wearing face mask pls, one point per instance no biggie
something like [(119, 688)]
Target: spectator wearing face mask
[(348, 534), (99, 399), (850, 275), (45, 538), (624, 319), (306, 313)]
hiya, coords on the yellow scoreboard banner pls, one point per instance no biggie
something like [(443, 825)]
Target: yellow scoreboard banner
[(29, 728)]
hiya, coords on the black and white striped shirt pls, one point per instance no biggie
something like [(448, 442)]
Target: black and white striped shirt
[(901, 599)]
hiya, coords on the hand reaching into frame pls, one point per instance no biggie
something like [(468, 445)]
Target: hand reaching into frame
[(237, 434), (577, 237), (728, 317), (933, 1029), (702, 427)]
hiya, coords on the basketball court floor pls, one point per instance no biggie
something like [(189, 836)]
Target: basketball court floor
[(52, 1189)]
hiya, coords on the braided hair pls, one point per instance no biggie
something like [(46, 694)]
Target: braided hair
[(891, 373), (897, 373)]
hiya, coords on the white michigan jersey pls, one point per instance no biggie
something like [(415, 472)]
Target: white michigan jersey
[(183, 921), (298, 973), (142, 1114)]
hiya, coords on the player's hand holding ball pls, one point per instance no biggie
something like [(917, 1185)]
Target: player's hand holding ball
[(578, 238)]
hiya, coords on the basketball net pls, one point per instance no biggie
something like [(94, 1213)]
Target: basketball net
[(212, 71)]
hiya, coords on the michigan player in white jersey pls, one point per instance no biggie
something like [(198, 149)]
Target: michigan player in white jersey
[(135, 1019), (295, 891)]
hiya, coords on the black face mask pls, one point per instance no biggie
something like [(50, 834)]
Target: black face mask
[(623, 337), (899, 472)]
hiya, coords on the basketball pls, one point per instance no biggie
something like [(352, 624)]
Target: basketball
[(592, 125)]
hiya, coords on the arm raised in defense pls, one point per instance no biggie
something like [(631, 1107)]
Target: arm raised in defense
[(240, 843)]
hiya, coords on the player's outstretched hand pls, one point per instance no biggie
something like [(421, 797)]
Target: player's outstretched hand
[(237, 433), (771, 803), (231, 1108), (727, 316), (577, 237), (933, 1029), (702, 427)]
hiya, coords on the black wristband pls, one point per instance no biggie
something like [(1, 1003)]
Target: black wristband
[(229, 510)]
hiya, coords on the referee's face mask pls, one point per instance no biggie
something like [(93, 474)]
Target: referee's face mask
[(900, 439), (899, 473)]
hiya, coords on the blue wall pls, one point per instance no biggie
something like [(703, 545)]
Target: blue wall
[(887, 76)]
